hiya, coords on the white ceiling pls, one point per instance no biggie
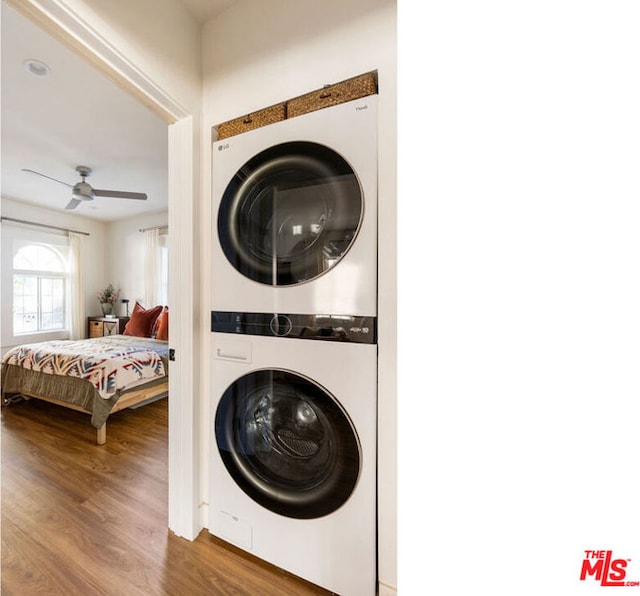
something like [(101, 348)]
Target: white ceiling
[(73, 117), (204, 10)]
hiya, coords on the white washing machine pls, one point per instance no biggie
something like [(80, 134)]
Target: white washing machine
[(293, 463), (295, 214)]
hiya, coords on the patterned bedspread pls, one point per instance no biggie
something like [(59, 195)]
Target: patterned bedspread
[(110, 363)]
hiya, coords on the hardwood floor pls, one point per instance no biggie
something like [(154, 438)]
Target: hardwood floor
[(78, 518)]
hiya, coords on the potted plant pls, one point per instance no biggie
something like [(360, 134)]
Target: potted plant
[(108, 297)]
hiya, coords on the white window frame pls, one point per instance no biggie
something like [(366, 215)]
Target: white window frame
[(39, 275), (14, 238)]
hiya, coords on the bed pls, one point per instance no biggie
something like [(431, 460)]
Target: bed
[(98, 376)]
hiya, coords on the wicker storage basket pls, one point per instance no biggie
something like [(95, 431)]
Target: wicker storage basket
[(253, 120), (332, 95)]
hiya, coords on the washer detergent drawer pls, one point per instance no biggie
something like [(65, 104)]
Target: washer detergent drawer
[(232, 350)]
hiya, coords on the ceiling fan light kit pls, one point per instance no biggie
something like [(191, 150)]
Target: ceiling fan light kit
[(83, 191)]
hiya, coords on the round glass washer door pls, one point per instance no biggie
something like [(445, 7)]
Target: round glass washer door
[(287, 443), (290, 213)]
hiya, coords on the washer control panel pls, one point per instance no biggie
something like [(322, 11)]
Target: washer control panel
[(344, 328), (281, 325)]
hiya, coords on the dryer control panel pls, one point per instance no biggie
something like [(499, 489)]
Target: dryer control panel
[(344, 328)]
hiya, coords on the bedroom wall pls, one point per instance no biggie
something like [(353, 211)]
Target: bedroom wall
[(125, 246), (259, 53), (94, 260)]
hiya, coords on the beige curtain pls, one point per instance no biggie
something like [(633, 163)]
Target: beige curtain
[(151, 267), (75, 293)]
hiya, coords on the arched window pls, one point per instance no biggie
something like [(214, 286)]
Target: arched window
[(39, 276)]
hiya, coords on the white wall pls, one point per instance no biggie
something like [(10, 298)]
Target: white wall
[(260, 53), (126, 267), (94, 258)]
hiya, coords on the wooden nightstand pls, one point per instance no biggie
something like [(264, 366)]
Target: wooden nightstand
[(101, 326)]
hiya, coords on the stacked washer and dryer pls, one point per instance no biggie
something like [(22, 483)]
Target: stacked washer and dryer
[(294, 369)]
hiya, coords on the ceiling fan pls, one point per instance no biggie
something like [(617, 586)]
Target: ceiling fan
[(83, 191)]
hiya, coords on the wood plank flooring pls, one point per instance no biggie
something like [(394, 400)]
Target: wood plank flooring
[(78, 518)]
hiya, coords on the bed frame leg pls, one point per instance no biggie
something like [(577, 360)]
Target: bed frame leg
[(102, 434)]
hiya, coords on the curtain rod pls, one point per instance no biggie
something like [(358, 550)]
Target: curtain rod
[(154, 228), (33, 223)]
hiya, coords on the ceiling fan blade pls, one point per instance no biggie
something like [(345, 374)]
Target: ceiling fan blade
[(120, 194), (73, 203), (45, 176)]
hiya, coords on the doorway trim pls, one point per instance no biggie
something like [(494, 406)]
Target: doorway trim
[(59, 21)]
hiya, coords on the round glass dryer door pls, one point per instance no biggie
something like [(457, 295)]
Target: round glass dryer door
[(290, 213), (287, 443)]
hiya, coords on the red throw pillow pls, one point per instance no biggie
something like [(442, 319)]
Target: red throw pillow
[(142, 321), (162, 325), (154, 331)]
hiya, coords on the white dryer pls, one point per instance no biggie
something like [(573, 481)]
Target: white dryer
[(295, 214), (293, 463)]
